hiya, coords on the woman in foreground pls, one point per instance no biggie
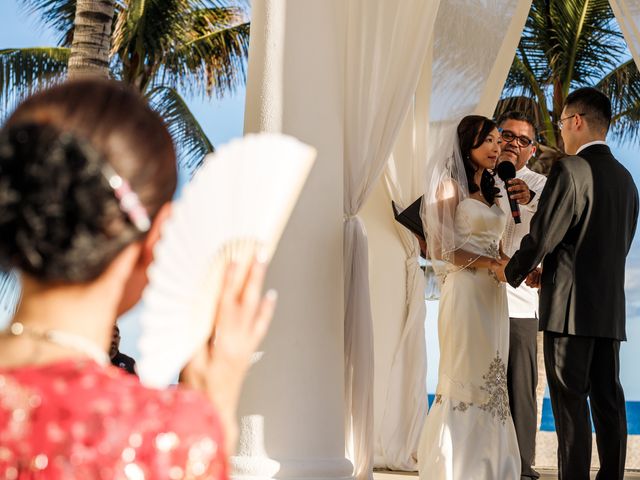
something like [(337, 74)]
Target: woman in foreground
[(87, 173)]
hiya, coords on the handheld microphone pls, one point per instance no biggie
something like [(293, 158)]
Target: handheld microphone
[(507, 171)]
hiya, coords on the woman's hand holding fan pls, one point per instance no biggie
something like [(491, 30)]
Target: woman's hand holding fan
[(242, 319), (235, 208)]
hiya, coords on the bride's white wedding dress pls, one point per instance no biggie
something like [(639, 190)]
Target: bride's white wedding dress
[(469, 433)]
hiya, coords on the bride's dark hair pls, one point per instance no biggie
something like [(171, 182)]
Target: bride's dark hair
[(472, 132), (60, 220)]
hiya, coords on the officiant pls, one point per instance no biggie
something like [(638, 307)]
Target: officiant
[(518, 146)]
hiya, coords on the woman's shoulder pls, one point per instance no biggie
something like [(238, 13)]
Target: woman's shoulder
[(80, 404)]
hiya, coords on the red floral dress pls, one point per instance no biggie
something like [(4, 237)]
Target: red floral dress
[(76, 419)]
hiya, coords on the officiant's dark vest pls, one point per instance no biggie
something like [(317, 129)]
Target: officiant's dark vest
[(582, 290)]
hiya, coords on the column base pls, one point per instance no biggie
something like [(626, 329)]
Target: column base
[(258, 468)]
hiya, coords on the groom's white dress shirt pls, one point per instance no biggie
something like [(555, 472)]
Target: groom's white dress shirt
[(523, 301), (595, 142)]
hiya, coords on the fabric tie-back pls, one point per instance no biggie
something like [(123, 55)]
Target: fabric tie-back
[(387, 42)]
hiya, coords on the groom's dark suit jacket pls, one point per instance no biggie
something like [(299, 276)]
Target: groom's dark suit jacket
[(583, 230)]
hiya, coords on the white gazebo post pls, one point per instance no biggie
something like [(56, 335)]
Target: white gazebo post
[(292, 406)]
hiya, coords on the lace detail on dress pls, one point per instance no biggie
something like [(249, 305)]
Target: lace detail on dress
[(463, 406), (493, 250), (496, 386)]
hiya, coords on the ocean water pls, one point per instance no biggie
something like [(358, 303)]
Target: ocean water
[(633, 416)]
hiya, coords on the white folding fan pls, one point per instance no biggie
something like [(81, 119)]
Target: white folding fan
[(239, 200)]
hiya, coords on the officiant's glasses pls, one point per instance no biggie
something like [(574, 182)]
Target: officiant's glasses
[(508, 136), (561, 121)]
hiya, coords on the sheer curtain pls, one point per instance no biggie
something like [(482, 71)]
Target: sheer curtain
[(473, 47), (405, 405), (628, 15), (386, 45)]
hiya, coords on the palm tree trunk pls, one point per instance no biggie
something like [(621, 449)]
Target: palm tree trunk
[(91, 38)]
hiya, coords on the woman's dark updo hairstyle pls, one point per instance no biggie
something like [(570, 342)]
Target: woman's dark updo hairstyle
[(472, 132), (60, 220)]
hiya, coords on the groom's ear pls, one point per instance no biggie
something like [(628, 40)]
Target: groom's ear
[(149, 243)]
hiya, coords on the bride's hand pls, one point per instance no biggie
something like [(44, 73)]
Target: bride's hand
[(242, 320), (498, 267)]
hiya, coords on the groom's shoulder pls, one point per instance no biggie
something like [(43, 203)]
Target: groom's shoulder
[(570, 164), (574, 164), (572, 161), (571, 169)]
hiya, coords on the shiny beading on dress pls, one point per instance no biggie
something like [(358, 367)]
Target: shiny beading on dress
[(77, 419)]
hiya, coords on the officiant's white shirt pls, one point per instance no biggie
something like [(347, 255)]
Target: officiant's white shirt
[(523, 301)]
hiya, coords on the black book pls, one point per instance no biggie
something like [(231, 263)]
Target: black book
[(410, 217)]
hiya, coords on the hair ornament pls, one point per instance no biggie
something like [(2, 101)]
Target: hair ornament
[(129, 201)]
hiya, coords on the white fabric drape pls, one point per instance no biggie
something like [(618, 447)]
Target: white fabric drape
[(386, 45), (627, 13), (405, 404), (473, 49), (474, 46)]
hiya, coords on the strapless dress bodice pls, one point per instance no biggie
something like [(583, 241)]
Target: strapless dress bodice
[(479, 226)]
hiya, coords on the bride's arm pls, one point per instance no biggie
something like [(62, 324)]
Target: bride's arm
[(447, 203), (465, 259)]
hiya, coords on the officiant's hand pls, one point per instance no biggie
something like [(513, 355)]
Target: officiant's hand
[(241, 322), (533, 279), (519, 191)]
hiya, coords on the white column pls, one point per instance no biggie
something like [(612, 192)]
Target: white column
[(627, 13), (293, 402)]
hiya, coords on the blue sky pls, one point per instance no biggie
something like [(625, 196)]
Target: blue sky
[(223, 120)]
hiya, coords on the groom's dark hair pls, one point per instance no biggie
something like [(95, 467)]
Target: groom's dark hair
[(593, 104)]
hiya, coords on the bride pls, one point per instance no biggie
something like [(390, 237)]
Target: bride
[(469, 433)]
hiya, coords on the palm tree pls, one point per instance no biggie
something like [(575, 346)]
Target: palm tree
[(91, 38), (568, 44), (163, 48)]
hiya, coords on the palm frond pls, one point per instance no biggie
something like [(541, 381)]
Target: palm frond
[(24, 70), (622, 85), (523, 80), (571, 42), (589, 44), (55, 14), (215, 59), (192, 144), (197, 46)]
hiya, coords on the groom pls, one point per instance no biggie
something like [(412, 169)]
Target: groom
[(583, 230)]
